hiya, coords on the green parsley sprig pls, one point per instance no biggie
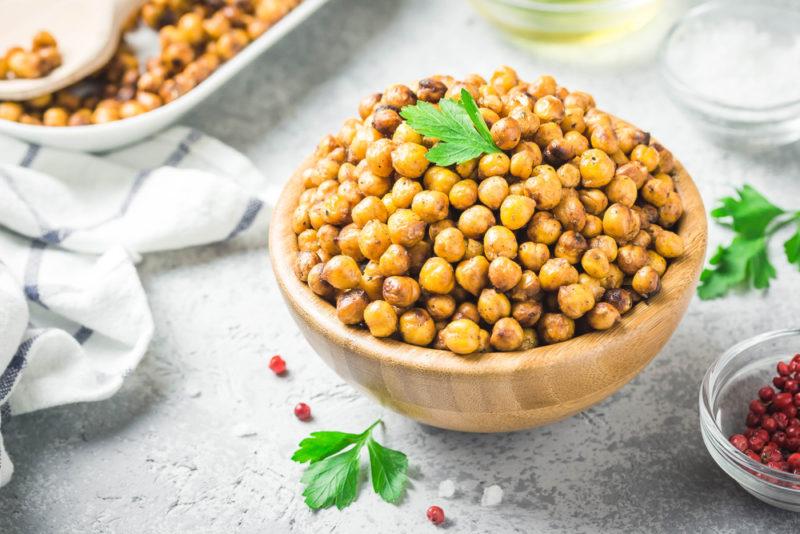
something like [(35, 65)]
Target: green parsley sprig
[(458, 126), (332, 478), (745, 261)]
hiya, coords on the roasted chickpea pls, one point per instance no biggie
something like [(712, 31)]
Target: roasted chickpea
[(462, 336), (642, 239), (437, 276), (614, 278), (372, 280), (671, 211), (492, 306), (557, 272), (379, 157), (369, 209), (367, 104), (594, 201), (450, 245), (474, 248), (440, 307), (10, 111), (406, 228), (504, 273), (549, 108), (527, 313), (438, 227), (495, 164), (622, 190), (463, 194), (527, 288), (431, 90), (337, 209), (466, 169), (657, 262), (603, 316), (506, 334), (317, 284), (348, 242), (646, 281), (526, 119), (619, 298), (408, 159), (655, 191), (620, 223), (350, 306), (467, 310), (372, 185), (419, 254), (475, 221), (575, 300), (604, 138), (544, 187), (544, 228), (440, 179), (516, 211), (606, 244), (303, 264), (570, 211), (597, 169), (592, 284), (647, 156), (307, 240), (499, 241), (631, 258), (386, 120), (595, 263), (546, 133), (406, 134), (555, 328), (401, 291), (593, 227), (381, 319), (430, 206), (571, 246), (417, 327), (544, 85), (398, 96), (533, 255), (403, 192), (342, 272), (55, 117), (473, 274), (669, 244), (394, 261), (506, 133)]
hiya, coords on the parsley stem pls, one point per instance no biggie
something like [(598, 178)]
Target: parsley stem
[(368, 431), (785, 222)]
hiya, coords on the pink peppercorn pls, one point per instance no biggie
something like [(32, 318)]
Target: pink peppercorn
[(277, 365), (766, 394), (435, 515), (739, 441), (302, 411)]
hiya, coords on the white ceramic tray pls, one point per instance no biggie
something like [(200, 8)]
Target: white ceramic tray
[(99, 137)]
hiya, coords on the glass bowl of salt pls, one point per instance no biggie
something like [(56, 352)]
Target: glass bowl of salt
[(734, 68)]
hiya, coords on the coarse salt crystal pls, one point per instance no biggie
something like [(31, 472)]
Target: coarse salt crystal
[(447, 488), (492, 495)]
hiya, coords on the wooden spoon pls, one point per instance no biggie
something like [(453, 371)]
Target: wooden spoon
[(87, 32)]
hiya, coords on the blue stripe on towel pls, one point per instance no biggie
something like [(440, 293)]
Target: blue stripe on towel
[(32, 271), (9, 376), (30, 155), (249, 215), (83, 334)]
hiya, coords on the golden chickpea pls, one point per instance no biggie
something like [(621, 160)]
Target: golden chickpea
[(646, 281), (604, 138), (495, 164), (594, 201), (620, 223), (431, 90), (657, 262), (467, 310), (10, 111), (635, 171), (386, 120), (350, 306), (406, 134), (526, 119), (440, 179), (463, 194), (592, 284), (546, 133), (388, 203), (367, 104), (570, 211), (597, 169), (593, 227), (504, 273), (573, 122), (342, 272), (555, 328), (307, 240), (544, 187), (400, 291), (437, 276), (337, 209), (466, 169), (462, 336), (493, 306), (303, 264), (527, 288), (669, 244), (450, 245), (300, 220), (527, 313), (544, 228), (431, 206), (438, 227), (577, 142), (571, 246), (569, 175), (544, 85), (404, 190), (595, 263), (671, 211), (317, 284), (619, 298), (394, 261), (603, 316), (647, 156), (379, 157), (348, 242), (521, 164), (606, 244), (473, 274), (622, 190), (440, 307), (417, 327), (55, 117), (614, 278), (104, 115), (368, 209), (557, 272), (492, 191), (631, 258), (327, 237), (506, 334), (474, 248), (475, 221), (499, 241), (533, 255), (655, 191), (372, 185), (516, 210), (575, 300), (549, 108), (408, 159), (381, 318), (372, 280), (579, 99), (406, 228), (418, 255), (506, 133), (642, 239)]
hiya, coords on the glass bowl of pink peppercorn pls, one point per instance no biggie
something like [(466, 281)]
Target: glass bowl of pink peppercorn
[(739, 382)]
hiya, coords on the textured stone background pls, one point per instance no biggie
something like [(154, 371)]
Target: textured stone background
[(163, 456)]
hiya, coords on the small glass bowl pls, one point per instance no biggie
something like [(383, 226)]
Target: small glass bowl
[(743, 126), (728, 387), (568, 20)]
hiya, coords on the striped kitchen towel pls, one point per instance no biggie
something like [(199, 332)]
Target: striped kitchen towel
[(74, 319)]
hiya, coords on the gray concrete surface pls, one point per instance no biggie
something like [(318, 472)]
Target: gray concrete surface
[(162, 456)]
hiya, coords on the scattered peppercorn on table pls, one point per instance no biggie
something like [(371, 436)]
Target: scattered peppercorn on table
[(163, 456)]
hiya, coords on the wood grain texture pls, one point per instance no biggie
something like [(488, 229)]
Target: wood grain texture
[(495, 391)]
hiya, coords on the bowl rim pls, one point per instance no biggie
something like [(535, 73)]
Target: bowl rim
[(681, 87), (754, 470), (596, 6), (681, 277)]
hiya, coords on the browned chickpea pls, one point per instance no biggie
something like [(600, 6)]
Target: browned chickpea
[(337, 209), (367, 104), (307, 240), (406, 134), (521, 164), (55, 117), (400, 291), (544, 187), (516, 210), (594, 200), (82, 117), (462, 336), (300, 220), (577, 142), (575, 300), (499, 241), (372, 185), (533, 255), (431, 206), (386, 120), (543, 86), (549, 108), (437, 276), (614, 278), (620, 223), (417, 327), (440, 307), (466, 169), (595, 263), (381, 318), (527, 288), (492, 191), (303, 264), (327, 237), (647, 156), (398, 96), (592, 284), (558, 151), (573, 122), (408, 159), (368, 209), (527, 313), (467, 310), (317, 284), (495, 164), (474, 248), (506, 334), (597, 169), (379, 157), (604, 138), (655, 191), (669, 244), (570, 211), (579, 99), (546, 133), (372, 281), (603, 316), (475, 221), (557, 272), (635, 171), (569, 175), (342, 272), (544, 228), (419, 254), (348, 242), (394, 261), (463, 194), (619, 298), (606, 244), (555, 328), (404, 190), (506, 133), (646, 281), (365, 135), (657, 262), (473, 274), (527, 120), (436, 228), (671, 211), (593, 227), (571, 246), (431, 90), (622, 190), (642, 239), (450, 245), (10, 111), (493, 306), (504, 273), (631, 258), (406, 228), (350, 306)]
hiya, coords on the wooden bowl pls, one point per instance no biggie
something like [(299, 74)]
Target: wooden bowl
[(498, 391)]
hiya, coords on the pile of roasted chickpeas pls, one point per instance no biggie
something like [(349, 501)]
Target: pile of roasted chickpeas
[(561, 232), (38, 62), (196, 37)]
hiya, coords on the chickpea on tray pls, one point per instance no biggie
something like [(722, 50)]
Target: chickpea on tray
[(560, 227)]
